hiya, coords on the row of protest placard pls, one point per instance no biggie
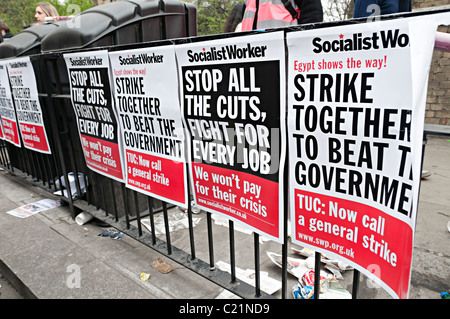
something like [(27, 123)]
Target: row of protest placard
[(182, 104), (218, 117)]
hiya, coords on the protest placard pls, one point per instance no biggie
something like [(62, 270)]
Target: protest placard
[(148, 108), (10, 128), (28, 109), (90, 90), (355, 122), (233, 105)]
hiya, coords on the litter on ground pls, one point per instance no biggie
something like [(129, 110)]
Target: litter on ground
[(34, 208), (162, 266), (303, 270)]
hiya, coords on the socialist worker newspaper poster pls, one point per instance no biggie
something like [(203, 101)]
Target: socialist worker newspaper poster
[(148, 108), (233, 106), (28, 109), (356, 103), (7, 110), (92, 102)]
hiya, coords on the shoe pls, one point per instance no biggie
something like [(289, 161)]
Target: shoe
[(425, 174)]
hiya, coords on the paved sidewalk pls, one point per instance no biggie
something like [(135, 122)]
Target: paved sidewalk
[(50, 256), (47, 251), (431, 257)]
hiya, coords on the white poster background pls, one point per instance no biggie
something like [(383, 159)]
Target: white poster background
[(22, 67), (154, 68), (398, 82)]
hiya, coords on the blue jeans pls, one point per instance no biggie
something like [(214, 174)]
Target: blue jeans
[(386, 7)]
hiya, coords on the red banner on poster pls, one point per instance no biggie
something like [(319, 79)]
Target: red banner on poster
[(156, 175), (10, 130), (245, 197), (33, 136), (102, 155), (361, 233)]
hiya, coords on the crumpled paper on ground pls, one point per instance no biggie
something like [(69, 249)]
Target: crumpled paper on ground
[(267, 284)]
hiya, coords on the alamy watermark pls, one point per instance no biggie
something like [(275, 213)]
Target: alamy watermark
[(74, 278), (375, 11)]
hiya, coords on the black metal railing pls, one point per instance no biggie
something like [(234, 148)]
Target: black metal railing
[(125, 209)]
